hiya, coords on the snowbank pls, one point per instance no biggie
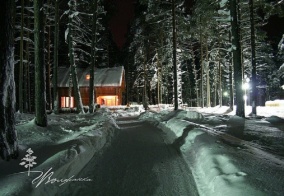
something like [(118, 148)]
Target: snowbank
[(221, 163), (225, 110), (226, 154), (63, 148)]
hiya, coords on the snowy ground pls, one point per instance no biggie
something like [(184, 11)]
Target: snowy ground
[(65, 146), (227, 155)]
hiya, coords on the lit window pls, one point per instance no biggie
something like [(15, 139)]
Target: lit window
[(67, 102), (108, 100), (88, 77)]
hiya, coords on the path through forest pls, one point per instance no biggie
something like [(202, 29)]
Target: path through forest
[(138, 162)]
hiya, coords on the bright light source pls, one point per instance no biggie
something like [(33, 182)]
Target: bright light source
[(245, 97), (88, 77), (178, 50), (245, 86), (225, 94), (282, 86)]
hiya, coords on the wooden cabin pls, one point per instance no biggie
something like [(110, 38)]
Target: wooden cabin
[(109, 85)]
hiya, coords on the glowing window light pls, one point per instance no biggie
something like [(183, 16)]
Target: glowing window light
[(66, 102)]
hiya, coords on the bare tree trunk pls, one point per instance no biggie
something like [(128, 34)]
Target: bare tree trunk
[(137, 92), (27, 93), (202, 67), (231, 85), (220, 76), (40, 94), (216, 80), (175, 55), (207, 78), (48, 83), (27, 99), (159, 76), (253, 61), (145, 97), (220, 81), (237, 59), (8, 135), (77, 94), (21, 73), (239, 15), (93, 57), (195, 72), (55, 58), (161, 67)]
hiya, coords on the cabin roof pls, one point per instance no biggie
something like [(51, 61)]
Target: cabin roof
[(103, 77)]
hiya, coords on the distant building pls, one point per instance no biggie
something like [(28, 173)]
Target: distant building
[(109, 85)]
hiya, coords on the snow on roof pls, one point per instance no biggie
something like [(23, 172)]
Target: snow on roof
[(102, 77)]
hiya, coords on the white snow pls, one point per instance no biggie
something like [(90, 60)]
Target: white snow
[(227, 155)]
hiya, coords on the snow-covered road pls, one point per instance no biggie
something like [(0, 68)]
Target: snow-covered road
[(98, 154), (138, 162)]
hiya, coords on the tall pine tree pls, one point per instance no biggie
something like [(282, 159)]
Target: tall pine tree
[(8, 136), (40, 94)]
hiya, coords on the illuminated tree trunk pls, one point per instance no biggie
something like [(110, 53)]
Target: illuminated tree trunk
[(77, 95), (231, 86), (240, 111), (220, 76), (93, 57), (48, 71), (253, 61), (175, 55), (145, 97), (159, 76), (208, 104), (220, 83), (201, 67), (195, 72), (8, 135)]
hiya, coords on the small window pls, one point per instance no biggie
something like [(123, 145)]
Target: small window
[(67, 102)]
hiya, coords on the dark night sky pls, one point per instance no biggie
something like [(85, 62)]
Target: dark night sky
[(124, 13), (120, 20)]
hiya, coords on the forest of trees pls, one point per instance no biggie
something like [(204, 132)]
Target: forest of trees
[(219, 46), (197, 53)]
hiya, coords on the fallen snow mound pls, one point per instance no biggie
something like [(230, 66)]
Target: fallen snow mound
[(220, 165), (65, 146)]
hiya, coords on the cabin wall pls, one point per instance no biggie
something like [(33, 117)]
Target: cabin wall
[(110, 91), (63, 93)]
